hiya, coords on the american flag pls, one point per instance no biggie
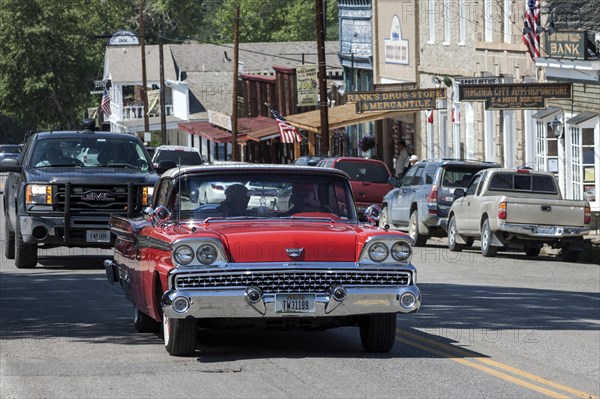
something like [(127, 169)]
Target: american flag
[(530, 26), (105, 104), (287, 132)]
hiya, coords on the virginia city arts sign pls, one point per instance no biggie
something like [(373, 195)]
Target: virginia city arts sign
[(515, 96), (403, 100)]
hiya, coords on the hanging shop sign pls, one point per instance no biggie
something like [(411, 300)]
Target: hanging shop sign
[(403, 100), (567, 44), (306, 85), (482, 80), (219, 119), (515, 96)]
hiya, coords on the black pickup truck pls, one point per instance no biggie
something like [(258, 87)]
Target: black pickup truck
[(66, 184)]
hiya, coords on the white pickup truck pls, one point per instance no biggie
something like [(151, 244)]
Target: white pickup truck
[(517, 209)]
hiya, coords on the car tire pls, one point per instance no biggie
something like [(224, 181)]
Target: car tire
[(26, 255), (487, 249), (378, 332), (179, 336), (144, 323), (569, 255), (452, 233), (9, 236), (413, 230), (383, 219), (532, 251)]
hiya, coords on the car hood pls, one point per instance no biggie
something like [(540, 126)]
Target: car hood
[(87, 175), (272, 240)]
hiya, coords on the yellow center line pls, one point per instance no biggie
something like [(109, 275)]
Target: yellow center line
[(496, 373), (493, 363), (502, 366)]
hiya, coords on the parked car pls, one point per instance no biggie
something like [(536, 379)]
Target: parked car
[(186, 265), (180, 155), (63, 189), (369, 179), (518, 209), (307, 161), (10, 151), (421, 202)]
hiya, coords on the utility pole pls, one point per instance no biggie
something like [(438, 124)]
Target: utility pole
[(144, 79), (234, 118), (163, 116), (324, 147)]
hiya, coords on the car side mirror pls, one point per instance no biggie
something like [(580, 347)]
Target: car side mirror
[(10, 165), (163, 166), (373, 213), (393, 181), (459, 192)]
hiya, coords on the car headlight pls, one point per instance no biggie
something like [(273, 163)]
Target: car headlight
[(378, 252), (147, 193), (401, 251), (206, 254), (184, 255), (38, 194)]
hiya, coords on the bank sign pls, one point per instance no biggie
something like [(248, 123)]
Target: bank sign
[(515, 96), (567, 44)]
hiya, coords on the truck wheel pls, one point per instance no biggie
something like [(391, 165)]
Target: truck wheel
[(383, 219), (413, 230), (9, 236), (144, 323), (487, 249), (569, 255), (378, 332), (452, 245), (180, 336), (26, 255), (532, 251)]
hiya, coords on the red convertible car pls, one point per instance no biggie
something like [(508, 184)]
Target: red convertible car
[(283, 249)]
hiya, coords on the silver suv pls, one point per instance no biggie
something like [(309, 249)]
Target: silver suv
[(420, 202)]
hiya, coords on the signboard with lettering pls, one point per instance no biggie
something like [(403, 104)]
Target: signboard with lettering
[(567, 44), (123, 38), (396, 47), (483, 80), (403, 100), (219, 119), (306, 85), (515, 96)]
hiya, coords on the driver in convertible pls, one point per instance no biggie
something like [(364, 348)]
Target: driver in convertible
[(236, 200)]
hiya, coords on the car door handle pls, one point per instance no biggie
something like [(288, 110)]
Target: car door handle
[(546, 208)]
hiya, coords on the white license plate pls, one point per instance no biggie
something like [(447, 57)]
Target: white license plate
[(97, 236), (545, 230), (294, 303)]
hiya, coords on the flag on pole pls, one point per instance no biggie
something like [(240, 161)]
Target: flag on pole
[(105, 104), (287, 132), (429, 115), (530, 27)]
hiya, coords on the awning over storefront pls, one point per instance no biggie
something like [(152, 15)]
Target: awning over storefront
[(582, 117), (255, 129), (340, 116), (546, 115)]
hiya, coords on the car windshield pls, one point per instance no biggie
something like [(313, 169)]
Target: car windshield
[(257, 196), (180, 157), (89, 152), (10, 149)]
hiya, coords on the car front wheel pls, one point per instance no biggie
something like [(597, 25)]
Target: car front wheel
[(26, 255), (452, 233), (378, 332), (179, 336)]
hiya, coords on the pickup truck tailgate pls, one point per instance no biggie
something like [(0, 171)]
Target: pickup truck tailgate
[(545, 212)]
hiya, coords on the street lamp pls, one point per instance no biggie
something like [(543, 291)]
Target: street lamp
[(557, 128)]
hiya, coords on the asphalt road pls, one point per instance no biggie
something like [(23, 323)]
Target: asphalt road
[(510, 327)]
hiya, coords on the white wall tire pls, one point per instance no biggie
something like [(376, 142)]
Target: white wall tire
[(179, 336)]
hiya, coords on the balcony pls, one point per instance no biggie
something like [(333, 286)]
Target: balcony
[(137, 111)]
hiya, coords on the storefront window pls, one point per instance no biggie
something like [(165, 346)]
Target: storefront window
[(588, 164)]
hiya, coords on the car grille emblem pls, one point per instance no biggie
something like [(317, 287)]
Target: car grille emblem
[(92, 196), (294, 252)]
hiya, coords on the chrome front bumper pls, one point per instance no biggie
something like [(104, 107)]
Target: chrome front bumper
[(235, 303)]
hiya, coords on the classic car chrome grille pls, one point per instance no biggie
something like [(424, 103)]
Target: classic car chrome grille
[(270, 282)]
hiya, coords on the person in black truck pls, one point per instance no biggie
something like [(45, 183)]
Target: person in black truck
[(59, 193)]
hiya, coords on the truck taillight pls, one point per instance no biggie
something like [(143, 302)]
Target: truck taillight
[(587, 215), (432, 196), (502, 210)]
